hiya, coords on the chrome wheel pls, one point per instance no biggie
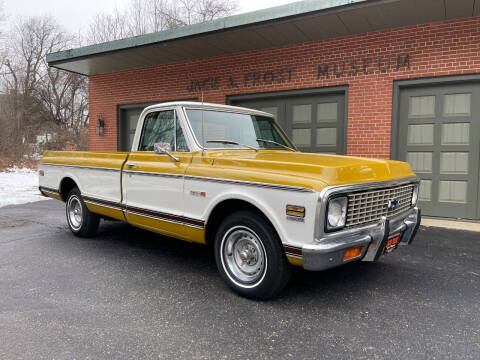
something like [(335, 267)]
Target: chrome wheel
[(75, 212), (243, 256)]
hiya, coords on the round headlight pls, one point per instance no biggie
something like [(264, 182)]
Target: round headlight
[(337, 213), (415, 195)]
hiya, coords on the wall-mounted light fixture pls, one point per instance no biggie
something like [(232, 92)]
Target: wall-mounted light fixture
[(100, 126)]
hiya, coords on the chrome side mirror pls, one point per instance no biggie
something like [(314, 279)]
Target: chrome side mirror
[(164, 148)]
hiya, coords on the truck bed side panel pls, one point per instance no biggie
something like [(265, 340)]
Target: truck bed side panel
[(97, 175)]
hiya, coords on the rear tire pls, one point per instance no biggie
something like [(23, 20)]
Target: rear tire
[(81, 221), (250, 257)]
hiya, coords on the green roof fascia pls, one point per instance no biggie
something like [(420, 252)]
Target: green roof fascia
[(270, 14)]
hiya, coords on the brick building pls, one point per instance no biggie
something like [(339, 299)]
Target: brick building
[(393, 79)]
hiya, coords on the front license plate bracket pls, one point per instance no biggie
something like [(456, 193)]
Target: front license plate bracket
[(392, 243)]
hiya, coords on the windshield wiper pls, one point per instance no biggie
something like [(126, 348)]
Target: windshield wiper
[(230, 142), (276, 143)]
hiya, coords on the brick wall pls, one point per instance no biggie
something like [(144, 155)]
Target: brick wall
[(435, 49)]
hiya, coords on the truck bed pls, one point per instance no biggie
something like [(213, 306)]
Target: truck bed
[(97, 174)]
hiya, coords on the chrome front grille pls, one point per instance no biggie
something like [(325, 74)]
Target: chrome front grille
[(369, 206)]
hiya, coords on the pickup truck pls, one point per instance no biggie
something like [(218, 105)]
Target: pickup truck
[(229, 177)]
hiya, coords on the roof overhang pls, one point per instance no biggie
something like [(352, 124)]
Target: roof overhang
[(289, 24)]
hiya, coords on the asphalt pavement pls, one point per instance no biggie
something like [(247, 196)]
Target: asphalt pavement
[(131, 294)]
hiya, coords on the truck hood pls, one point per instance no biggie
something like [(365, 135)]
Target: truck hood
[(309, 170)]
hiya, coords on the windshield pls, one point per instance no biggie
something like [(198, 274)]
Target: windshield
[(241, 128)]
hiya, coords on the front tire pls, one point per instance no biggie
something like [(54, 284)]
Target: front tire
[(81, 221), (250, 257)]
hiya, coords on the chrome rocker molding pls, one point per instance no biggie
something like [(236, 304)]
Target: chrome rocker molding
[(156, 215), (46, 190)]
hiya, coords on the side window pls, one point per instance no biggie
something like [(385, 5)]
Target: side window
[(265, 130), (162, 126), (158, 127)]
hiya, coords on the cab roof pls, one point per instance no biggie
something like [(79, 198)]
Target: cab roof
[(208, 106)]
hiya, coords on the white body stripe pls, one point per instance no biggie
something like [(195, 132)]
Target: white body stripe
[(100, 183), (158, 193), (272, 202), (172, 194)]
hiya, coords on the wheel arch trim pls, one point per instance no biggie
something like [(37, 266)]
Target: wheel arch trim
[(265, 210), (67, 177)]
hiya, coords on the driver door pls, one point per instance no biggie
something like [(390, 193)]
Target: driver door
[(153, 184)]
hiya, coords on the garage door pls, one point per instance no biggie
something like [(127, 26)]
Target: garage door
[(314, 123), (127, 126), (439, 135)]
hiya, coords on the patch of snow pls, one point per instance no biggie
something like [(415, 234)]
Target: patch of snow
[(19, 186)]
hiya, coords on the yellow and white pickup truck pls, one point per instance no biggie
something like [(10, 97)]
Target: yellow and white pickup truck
[(230, 177)]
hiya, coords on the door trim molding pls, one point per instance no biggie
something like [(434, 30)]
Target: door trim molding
[(157, 215), (326, 90), (399, 85)]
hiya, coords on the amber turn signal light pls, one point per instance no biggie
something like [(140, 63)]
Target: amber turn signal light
[(353, 253)]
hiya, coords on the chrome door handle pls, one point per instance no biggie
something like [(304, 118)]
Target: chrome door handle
[(132, 166)]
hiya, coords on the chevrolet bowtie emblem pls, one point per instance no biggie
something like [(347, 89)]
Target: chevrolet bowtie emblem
[(392, 204)]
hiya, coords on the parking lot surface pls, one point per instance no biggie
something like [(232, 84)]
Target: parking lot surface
[(130, 294)]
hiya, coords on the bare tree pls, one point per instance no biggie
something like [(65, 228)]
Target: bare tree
[(195, 11), (38, 99), (140, 17), (106, 27)]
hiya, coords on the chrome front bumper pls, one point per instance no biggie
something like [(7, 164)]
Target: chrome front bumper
[(329, 251)]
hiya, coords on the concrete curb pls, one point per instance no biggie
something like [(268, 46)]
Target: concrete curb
[(451, 224)]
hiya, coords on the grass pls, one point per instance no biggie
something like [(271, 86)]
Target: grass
[(7, 163)]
